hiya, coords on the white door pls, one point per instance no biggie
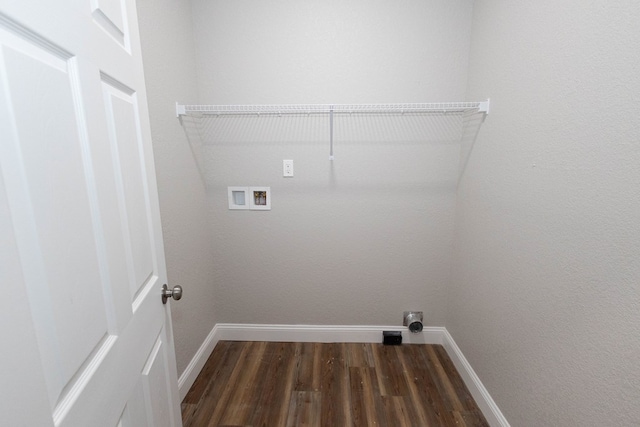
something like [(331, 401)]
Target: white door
[(87, 340)]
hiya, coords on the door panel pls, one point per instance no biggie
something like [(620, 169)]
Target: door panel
[(19, 334), (123, 125), (46, 158), (155, 384), (109, 15), (135, 412), (145, 405), (80, 220)]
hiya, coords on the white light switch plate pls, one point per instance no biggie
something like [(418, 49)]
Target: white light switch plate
[(287, 168)]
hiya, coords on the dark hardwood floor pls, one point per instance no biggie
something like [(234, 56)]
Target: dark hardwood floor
[(315, 384)]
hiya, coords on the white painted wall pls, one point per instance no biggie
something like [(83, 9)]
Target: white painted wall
[(169, 61), (545, 297), (331, 51), (359, 240)]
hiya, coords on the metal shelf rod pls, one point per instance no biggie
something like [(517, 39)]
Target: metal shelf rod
[(331, 133)]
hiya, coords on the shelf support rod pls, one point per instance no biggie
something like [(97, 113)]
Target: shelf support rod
[(331, 133)]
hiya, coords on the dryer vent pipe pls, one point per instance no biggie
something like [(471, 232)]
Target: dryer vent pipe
[(413, 319)]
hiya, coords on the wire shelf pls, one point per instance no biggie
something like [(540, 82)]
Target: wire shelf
[(331, 110), (435, 107)]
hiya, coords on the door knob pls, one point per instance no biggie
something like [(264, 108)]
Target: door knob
[(175, 293)]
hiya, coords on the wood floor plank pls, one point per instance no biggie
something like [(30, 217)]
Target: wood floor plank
[(390, 376), (417, 377), (359, 355), (462, 392), (470, 419), (252, 384), (202, 381), (272, 407), (364, 397), (305, 409), (225, 395), (437, 391), (246, 386), (447, 389), (216, 377), (398, 411), (426, 383), (334, 386), (308, 374)]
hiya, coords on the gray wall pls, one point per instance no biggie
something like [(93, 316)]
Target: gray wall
[(545, 295), (354, 241), (169, 61)]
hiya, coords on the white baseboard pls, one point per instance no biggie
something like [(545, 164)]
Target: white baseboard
[(322, 333), (480, 394), (341, 333), (188, 377)]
